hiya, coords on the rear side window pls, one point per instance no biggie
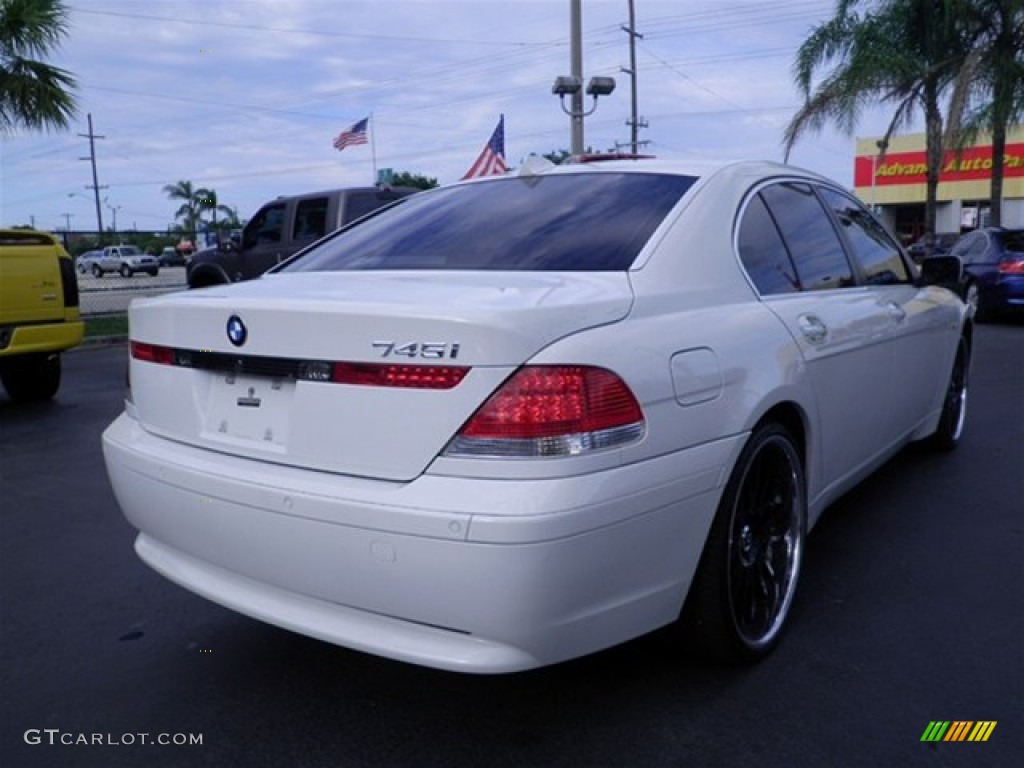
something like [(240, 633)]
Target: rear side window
[(872, 248), (805, 226), (310, 219), (969, 247), (359, 204), (1013, 242), (763, 253), (576, 222)]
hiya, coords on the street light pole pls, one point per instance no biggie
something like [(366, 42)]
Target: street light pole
[(576, 55), (113, 214), (572, 85)]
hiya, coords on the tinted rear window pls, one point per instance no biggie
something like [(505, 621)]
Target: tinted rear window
[(579, 222), (24, 238)]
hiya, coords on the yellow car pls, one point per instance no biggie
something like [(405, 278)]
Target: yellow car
[(39, 315)]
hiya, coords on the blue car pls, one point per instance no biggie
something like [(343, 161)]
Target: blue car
[(993, 260)]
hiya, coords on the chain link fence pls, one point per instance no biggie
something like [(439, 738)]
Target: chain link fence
[(118, 267)]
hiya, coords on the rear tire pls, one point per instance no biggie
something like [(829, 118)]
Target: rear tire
[(740, 598), (126, 271), (954, 407), (96, 271), (32, 377)]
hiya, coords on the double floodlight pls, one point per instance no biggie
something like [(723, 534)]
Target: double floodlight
[(568, 85)]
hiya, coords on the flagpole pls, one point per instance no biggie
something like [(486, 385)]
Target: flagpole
[(373, 146)]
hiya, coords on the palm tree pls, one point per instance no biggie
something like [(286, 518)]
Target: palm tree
[(906, 53), (33, 94), (206, 200), (189, 211), (994, 76)]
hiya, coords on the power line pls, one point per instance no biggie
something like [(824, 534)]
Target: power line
[(315, 32)]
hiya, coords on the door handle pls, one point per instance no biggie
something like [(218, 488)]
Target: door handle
[(896, 312), (813, 328)]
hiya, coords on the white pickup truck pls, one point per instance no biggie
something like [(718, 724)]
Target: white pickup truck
[(126, 260)]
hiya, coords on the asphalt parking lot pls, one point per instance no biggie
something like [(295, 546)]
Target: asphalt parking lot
[(911, 610)]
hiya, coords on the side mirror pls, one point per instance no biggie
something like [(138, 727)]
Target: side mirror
[(229, 243), (944, 271)]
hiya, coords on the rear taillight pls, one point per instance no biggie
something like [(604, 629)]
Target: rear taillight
[(558, 410), (152, 353), (1011, 267), (68, 282), (394, 375)]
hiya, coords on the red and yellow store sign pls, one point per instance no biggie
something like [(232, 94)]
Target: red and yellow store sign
[(900, 175), (974, 163)]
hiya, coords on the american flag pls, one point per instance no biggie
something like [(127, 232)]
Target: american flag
[(354, 135), (492, 159)]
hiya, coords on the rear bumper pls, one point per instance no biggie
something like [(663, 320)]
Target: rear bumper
[(1007, 293), (45, 337), (425, 572)]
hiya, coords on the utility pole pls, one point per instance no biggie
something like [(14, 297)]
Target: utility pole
[(95, 183), (576, 66), (635, 122), (67, 220)]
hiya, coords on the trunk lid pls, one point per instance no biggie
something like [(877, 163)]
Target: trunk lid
[(251, 403)]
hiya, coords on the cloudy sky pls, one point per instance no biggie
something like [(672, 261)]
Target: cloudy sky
[(245, 96)]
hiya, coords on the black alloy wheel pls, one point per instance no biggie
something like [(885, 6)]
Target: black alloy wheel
[(747, 577)]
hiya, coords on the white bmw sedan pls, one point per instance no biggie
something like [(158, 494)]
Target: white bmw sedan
[(516, 420)]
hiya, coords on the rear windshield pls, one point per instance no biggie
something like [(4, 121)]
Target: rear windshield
[(579, 222), (24, 238)]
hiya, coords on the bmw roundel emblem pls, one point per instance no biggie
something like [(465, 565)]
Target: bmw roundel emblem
[(237, 332)]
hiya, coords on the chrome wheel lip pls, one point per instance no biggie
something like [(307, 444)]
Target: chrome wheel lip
[(971, 299), (759, 592), (961, 416), (956, 395)]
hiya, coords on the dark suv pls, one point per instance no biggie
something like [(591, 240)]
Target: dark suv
[(284, 226)]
